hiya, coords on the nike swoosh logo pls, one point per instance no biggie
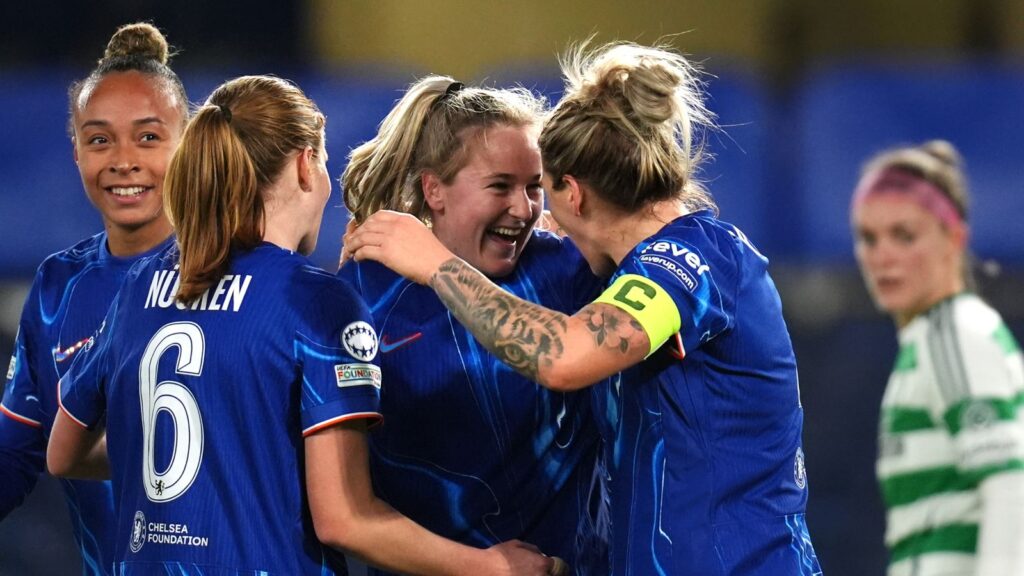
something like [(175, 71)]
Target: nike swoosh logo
[(62, 355), (390, 346)]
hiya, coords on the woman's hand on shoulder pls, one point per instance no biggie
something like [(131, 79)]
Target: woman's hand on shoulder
[(345, 255), (399, 241)]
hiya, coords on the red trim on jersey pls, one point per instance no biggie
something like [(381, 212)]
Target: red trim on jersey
[(375, 416), (19, 418), (60, 404), (72, 416), (678, 351)]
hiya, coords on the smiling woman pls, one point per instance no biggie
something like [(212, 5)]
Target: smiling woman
[(126, 127), (125, 121), (470, 169), (686, 354), (490, 228), (469, 448), (176, 387)]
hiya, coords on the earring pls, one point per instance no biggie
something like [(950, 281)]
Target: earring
[(427, 221)]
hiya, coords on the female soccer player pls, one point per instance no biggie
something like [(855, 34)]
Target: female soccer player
[(469, 448), (126, 119), (952, 435), (236, 380), (702, 421)]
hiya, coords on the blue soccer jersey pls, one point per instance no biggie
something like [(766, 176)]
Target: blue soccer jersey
[(69, 296), (703, 437), (206, 408), (469, 448)]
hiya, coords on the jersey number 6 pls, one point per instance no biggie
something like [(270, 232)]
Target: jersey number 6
[(181, 406)]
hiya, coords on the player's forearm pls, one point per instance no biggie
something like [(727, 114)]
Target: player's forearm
[(527, 337), (96, 464), (88, 465), (558, 351), (382, 537), (347, 515)]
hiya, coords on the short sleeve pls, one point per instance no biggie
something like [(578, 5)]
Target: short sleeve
[(22, 439), (336, 348), (21, 400), (670, 287), (82, 389)]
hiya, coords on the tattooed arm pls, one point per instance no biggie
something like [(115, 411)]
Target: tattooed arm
[(558, 351)]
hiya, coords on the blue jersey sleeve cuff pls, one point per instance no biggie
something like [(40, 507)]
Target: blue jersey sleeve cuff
[(350, 408), (76, 407), (20, 418)]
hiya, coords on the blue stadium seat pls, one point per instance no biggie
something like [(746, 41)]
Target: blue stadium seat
[(739, 175), (843, 115)]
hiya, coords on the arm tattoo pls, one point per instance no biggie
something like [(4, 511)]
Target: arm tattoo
[(524, 335), (612, 328), (521, 334)]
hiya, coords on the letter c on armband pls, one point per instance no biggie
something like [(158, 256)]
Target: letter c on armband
[(627, 287)]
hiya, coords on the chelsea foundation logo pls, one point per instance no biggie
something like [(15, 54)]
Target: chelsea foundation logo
[(138, 532), (162, 533), (799, 470), (360, 340)]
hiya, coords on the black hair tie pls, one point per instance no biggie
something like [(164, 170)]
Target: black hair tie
[(226, 112), (453, 88)]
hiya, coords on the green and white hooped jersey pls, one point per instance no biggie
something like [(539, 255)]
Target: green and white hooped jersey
[(951, 417)]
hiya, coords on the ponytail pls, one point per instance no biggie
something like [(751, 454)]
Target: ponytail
[(234, 148)]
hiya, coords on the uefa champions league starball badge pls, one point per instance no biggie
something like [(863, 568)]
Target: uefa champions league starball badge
[(360, 341)]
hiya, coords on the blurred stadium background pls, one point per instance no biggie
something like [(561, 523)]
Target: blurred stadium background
[(804, 89)]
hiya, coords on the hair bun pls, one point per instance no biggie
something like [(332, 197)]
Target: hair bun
[(141, 40), (943, 151), (648, 86)]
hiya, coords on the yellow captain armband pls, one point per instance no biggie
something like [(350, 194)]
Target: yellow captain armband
[(648, 304)]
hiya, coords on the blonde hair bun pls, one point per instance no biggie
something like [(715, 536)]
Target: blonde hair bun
[(141, 39)]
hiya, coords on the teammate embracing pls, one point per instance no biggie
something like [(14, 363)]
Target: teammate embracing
[(471, 449), (702, 424), (232, 381)]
